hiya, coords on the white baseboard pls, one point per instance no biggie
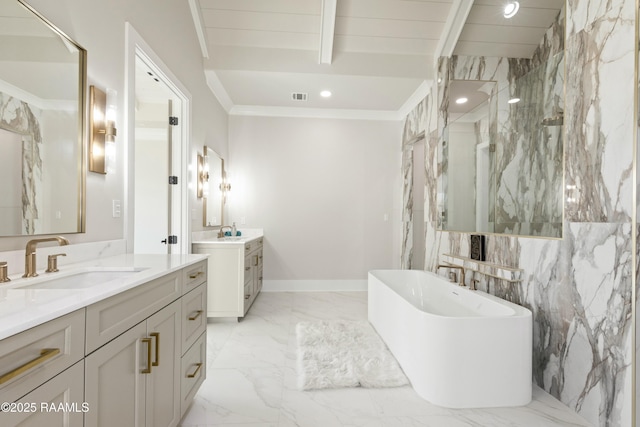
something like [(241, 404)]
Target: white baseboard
[(314, 285)]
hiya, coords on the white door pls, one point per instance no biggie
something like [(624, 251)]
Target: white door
[(154, 192)]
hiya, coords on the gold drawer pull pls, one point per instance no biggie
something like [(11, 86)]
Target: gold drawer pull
[(45, 354), (156, 335), (195, 316), (148, 342), (199, 365), (195, 275)]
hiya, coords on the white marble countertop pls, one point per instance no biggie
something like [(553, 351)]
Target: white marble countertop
[(21, 309), (211, 239)]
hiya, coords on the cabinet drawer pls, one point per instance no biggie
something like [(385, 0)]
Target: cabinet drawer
[(193, 373), (194, 316), (253, 245), (247, 269), (65, 389), (109, 318), (32, 357), (193, 276)]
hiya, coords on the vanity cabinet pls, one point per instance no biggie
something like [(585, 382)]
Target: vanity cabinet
[(134, 359), (234, 276), (135, 379)]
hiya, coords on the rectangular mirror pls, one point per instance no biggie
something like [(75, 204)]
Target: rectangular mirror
[(213, 190), (42, 106), (501, 145)]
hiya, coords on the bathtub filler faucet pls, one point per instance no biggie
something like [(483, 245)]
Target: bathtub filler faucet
[(457, 267), (30, 253)]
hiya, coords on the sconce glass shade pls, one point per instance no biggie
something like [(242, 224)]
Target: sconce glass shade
[(199, 175), (102, 130)]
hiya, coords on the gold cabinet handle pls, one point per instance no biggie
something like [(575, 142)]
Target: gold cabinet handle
[(195, 275), (148, 342), (45, 354), (156, 335), (255, 261), (198, 366), (195, 316), (247, 296)]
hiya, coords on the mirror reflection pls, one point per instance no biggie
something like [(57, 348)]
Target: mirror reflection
[(502, 155), (213, 188), (42, 81)]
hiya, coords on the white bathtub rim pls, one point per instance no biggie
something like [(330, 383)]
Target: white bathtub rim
[(518, 310)]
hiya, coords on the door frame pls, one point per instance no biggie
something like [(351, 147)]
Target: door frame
[(137, 47)]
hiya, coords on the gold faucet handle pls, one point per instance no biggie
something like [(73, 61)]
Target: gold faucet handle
[(52, 263), (4, 276)]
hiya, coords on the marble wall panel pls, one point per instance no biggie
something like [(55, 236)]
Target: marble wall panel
[(600, 54), (579, 288), (19, 117)]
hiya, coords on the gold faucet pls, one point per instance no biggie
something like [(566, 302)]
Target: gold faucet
[(221, 232), (30, 253), (457, 267)]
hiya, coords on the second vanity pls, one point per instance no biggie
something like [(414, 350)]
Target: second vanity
[(130, 350), (234, 269)]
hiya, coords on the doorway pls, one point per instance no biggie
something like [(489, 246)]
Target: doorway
[(157, 176), (153, 145)]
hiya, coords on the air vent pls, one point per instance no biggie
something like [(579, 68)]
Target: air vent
[(298, 96)]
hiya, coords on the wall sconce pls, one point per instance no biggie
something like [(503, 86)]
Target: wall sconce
[(102, 131), (225, 186), (202, 187)]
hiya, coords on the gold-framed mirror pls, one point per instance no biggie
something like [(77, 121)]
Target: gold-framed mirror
[(42, 117), (214, 187)]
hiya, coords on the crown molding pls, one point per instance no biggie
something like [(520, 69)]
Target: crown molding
[(218, 90), (319, 113)]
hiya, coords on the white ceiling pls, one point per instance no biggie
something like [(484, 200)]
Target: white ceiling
[(30, 52), (259, 52)]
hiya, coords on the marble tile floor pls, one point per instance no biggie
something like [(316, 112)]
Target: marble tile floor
[(251, 379)]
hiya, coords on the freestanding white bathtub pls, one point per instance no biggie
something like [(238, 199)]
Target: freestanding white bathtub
[(459, 348)]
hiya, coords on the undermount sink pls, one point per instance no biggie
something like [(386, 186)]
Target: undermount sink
[(79, 279)]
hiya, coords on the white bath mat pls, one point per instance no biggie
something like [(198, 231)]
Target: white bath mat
[(336, 354)]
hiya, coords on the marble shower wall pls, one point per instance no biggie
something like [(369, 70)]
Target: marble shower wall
[(420, 123), (19, 117), (579, 288)]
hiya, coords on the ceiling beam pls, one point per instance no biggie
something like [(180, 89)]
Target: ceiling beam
[(194, 5), (452, 28), (327, 30)]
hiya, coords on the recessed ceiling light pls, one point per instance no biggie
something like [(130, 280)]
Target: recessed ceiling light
[(325, 93), (510, 9), (462, 100), (513, 100)]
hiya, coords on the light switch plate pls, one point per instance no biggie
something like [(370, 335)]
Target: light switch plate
[(117, 209)]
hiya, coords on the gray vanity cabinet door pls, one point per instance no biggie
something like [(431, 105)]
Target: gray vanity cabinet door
[(115, 384), (58, 402), (124, 388), (163, 383)]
